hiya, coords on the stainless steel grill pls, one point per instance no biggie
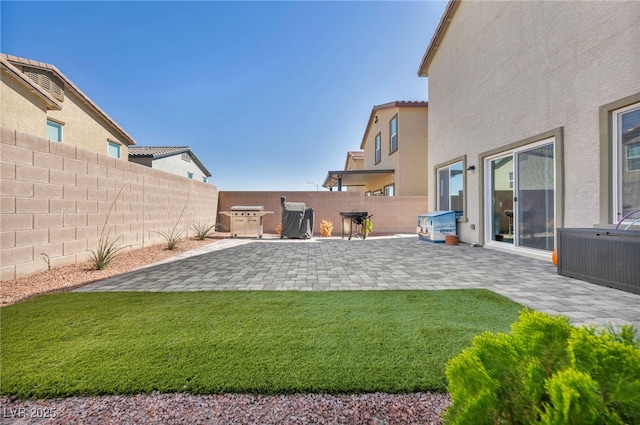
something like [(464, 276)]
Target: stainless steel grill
[(246, 220)]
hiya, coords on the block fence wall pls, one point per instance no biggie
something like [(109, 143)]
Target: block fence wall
[(391, 214), (55, 200)]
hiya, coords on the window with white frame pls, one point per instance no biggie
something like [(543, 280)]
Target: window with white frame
[(393, 134), (54, 131), (114, 149), (627, 153), (378, 148), (190, 175), (451, 188), (204, 180), (389, 190)]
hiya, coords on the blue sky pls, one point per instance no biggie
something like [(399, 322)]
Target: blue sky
[(268, 95)]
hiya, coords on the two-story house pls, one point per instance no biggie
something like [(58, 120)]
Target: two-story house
[(534, 111), (38, 99), (395, 153)]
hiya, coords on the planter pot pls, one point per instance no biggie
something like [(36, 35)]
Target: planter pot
[(603, 256), (451, 240)]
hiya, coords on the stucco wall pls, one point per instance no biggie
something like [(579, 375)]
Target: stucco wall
[(83, 128), (507, 71), (412, 175), (176, 165), (410, 159), (16, 103), (393, 214), (56, 198)]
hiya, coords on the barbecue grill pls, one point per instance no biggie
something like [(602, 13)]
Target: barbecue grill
[(356, 223), (297, 220), (246, 220)]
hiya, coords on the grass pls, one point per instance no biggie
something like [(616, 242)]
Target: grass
[(267, 342)]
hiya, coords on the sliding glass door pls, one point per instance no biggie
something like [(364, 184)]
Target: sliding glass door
[(520, 207)]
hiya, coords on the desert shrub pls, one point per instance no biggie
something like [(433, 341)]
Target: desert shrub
[(367, 225), (174, 236), (546, 371), (107, 249), (326, 227), (202, 229)]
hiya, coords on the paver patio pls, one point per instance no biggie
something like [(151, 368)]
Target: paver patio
[(377, 264)]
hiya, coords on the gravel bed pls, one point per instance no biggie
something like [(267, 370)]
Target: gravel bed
[(71, 276), (374, 409)]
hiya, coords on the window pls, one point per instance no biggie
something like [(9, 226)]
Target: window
[(114, 149), (367, 193), (378, 151), (190, 175), (54, 131), (626, 147), (393, 134), (204, 180), (451, 188), (389, 190), (377, 192), (633, 156), (186, 157)]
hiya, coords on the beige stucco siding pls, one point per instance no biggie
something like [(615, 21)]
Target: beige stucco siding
[(507, 71), (17, 102), (83, 127), (412, 176), (176, 165), (410, 159)]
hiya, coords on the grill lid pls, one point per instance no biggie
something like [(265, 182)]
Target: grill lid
[(247, 208)]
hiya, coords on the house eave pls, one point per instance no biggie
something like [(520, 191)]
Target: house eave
[(34, 88), (436, 40), (396, 104), (127, 139)]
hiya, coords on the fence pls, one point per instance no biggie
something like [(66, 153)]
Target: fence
[(391, 214), (56, 198)]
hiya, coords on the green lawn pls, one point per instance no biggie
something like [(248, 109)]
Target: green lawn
[(243, 342)]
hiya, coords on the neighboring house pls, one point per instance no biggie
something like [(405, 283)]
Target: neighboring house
[(534, 111), (354, 162), (395, 153), (172, 159), (40, 100)]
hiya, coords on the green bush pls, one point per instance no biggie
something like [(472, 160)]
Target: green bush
[(547, 372)]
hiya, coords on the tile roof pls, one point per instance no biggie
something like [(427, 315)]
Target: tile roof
[(15, 60), (51, 102), (157, 152)]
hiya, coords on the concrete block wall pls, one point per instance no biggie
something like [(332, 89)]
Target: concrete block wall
[(391, 214), (56, 200)]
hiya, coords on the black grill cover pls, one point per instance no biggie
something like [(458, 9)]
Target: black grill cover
[(297, 220)]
